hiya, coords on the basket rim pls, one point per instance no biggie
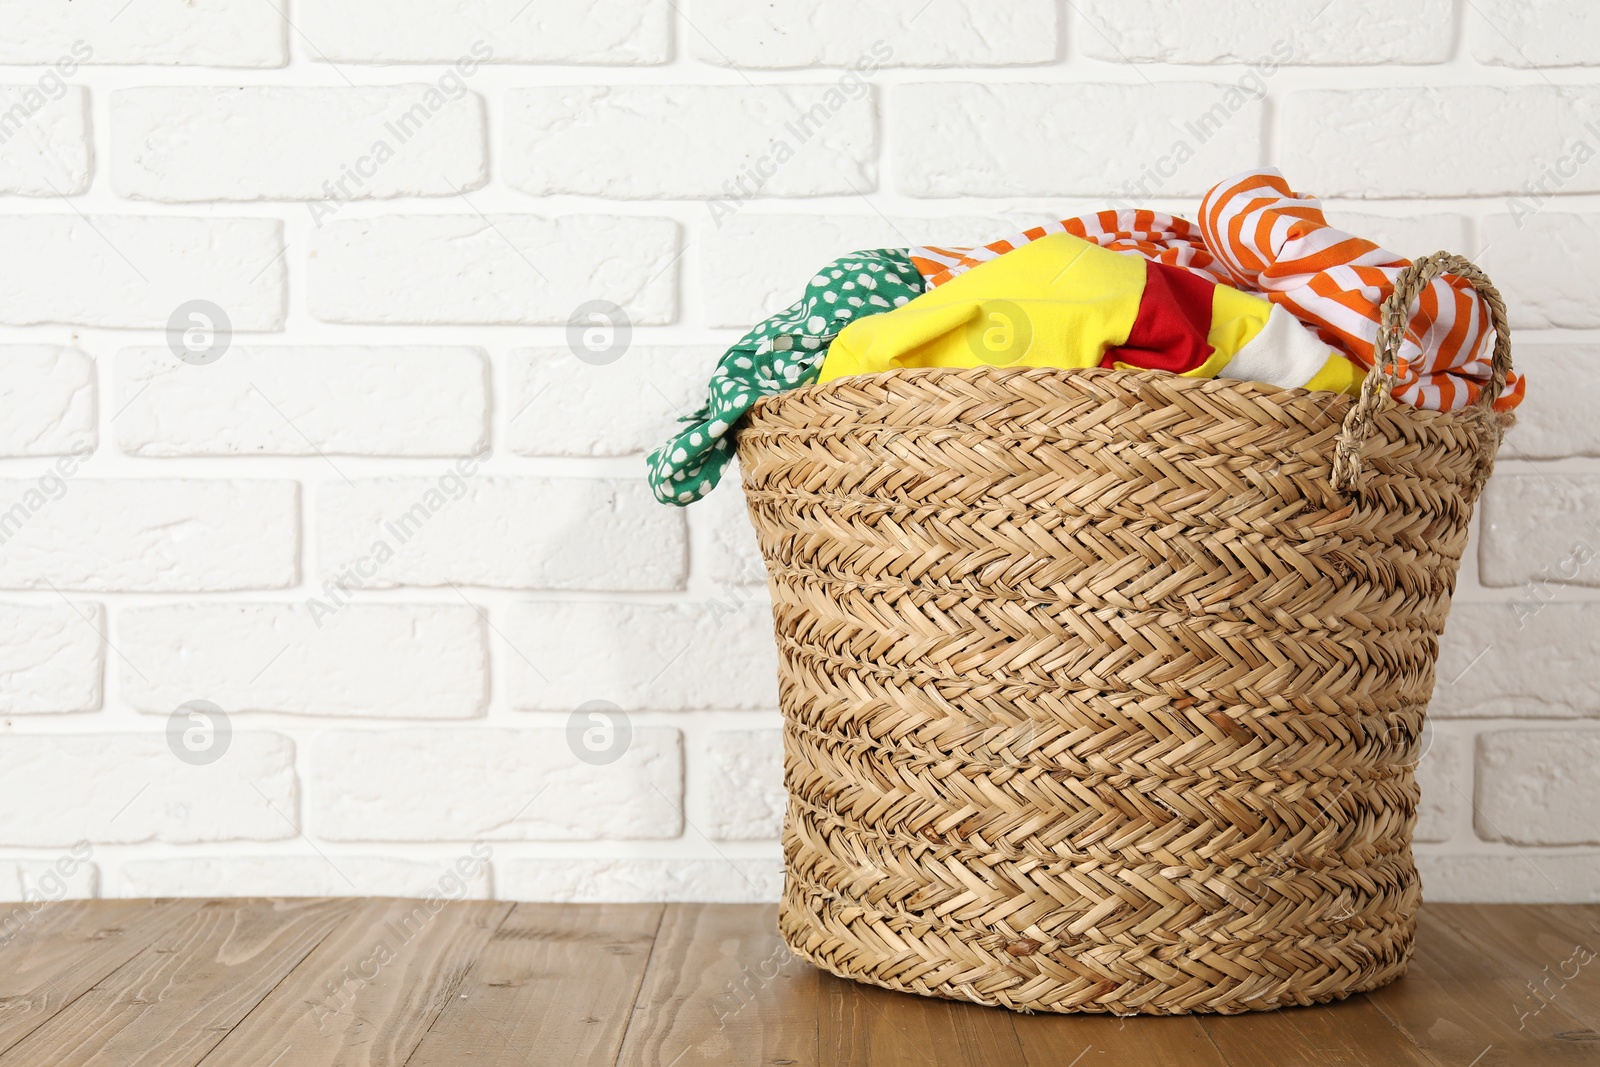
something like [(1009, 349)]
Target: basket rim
[(1072, 379)]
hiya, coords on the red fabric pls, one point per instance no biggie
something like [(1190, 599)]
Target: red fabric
[(1169, 333)]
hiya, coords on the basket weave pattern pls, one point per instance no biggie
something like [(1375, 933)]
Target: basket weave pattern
[(1097, 694)]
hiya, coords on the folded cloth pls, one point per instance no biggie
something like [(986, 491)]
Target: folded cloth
[(781, 353), (1277, 241), (1148, 234), (1063, 301)]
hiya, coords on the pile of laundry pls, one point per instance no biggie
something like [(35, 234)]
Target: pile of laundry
[(1262, 290)]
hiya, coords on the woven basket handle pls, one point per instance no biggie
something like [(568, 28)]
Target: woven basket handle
[(1391, 331)]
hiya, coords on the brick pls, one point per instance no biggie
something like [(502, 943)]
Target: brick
[(337, 143), (1543, 265), (1520, 877), (1556, 418), (488, 31), (564, 405), (520, 785), (1540, 528), (51, 657), (731, 553), (717, 653), (358, 401), (57, 789), (67, 877), (1412, 236), (44, 134), (512, 269), (840, 33), (1018, 139), (326, 657), (1283, 32), (507, 533), (208, 33), (1527, 658), (1533, 33), (1411, 144), (745, 780), (148, 535), (1538, 787), (641, 880), (463, 877), (1445, 776), (47, 401), (753, 266), (130, 271), (627, 141)]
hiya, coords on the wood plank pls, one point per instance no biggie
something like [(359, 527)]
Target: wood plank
[(1459, 1004), (177, 998), (1352, 1033), (555, 984), (59, 952), (873, 1027), (1553, 961), (370, 990), (1147, 1040), (722, 988)]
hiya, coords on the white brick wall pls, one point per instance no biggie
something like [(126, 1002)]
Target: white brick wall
[(193, 143), (397, 530), (606, 141), (45, 134)]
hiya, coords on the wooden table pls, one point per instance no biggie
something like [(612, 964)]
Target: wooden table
[(286, 983)]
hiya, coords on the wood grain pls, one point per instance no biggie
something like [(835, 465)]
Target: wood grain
[(1147, 1040), (721, 988), (178, 997), (57, 953), (1353, 1033), (866, 1026), (1553, 953), (390, 983), (555, 984), (1460, 1003), (368, 993)]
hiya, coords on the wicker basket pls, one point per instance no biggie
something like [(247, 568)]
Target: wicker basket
[(1102, 689)]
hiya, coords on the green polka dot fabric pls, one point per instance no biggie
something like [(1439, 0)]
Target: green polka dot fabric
[(783, 353)]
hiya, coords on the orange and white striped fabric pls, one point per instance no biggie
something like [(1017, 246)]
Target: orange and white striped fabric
[(1276, 241), (1258, 235), (1150, 234)]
